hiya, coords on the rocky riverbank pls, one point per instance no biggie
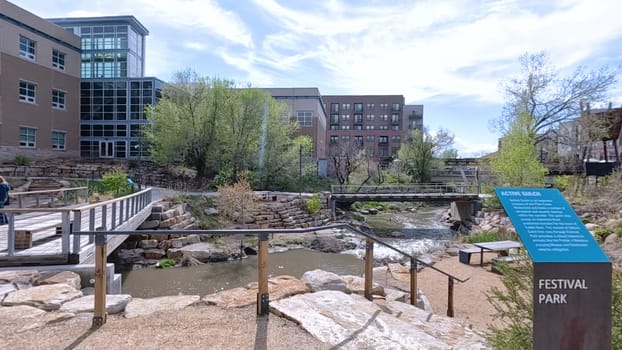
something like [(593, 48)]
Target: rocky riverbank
[(32, 307)]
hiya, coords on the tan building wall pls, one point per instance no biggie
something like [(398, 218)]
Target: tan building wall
[(39, 114)]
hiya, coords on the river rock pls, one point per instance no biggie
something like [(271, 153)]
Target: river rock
[(140, 307), (335, 318), (149, 225), (46, 297), (324, 280), (356, 284), (129, 256), (21, 278), (206, 252), (330, 244), (154, 253), (278, 287), (115, 303), (149, 243), (210, 211), (52, 277), (6, 288)]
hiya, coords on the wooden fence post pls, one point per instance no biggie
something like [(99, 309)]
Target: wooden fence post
[(369, 267), (450, 297), (99, 315), (413, 281), (262, 277)]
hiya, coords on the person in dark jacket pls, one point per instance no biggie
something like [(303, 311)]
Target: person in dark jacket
[(4, 198)]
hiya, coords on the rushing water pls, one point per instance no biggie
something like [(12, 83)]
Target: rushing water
[(422, 233)]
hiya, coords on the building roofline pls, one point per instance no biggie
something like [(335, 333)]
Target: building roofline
[(101, 19)]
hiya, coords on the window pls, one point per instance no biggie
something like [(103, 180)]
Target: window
[(395, 127), (27, 91), (370, 138), (58, 99), (384, 127), (371, 117), (384, 117), (395, 139), (26, 48), (334, 139), (345, 117), (358, 140), (384, 105), (369, 127), (345, 106), (358, 108), (395, 106), (27, 137), (345, 127), (358, 118), (358, 127), (334, 127), (334, 118), (371, 105), (334, 107), (305, 118), (58, 140), (345, 138), (383, 139), (395, 118), (58, 59)]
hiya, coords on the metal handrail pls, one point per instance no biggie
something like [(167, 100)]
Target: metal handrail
[(410, 188), (262, 296), (20, 195)]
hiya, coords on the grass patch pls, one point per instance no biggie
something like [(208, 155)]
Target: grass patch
[(485, 236)]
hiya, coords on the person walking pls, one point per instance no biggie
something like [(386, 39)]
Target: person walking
[(4, 198)]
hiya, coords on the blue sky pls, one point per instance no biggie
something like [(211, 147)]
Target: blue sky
[(449, 56)]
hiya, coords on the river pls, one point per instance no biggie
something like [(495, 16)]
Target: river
[(421, 233)]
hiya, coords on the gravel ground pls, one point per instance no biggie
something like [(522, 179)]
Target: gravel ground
[(196, 327)]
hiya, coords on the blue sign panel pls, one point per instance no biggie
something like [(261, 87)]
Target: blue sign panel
[(548, 227)]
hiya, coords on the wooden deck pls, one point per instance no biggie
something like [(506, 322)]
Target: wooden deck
[(51, 230)]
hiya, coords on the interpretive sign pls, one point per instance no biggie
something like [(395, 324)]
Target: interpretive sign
[(572, 275)]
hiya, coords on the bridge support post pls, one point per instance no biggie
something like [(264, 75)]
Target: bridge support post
[(262, 278), (369, 267), (413, 281), (99, 314)]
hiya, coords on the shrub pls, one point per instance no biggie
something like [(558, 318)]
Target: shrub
[(115, 182), (22, 161), (602, 232), (484, 236), (314, 204)]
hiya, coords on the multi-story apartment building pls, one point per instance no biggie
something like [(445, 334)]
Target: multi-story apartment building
[(305, 104), (39, 87), (113, 89), (374, 123), (413, 119)]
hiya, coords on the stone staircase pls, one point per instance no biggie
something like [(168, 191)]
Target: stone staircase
[(44, 184)]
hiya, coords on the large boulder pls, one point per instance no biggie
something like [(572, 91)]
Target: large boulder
[(324, 280), (115, 303), (352, 322), (278, 287), (331, 244), (20, 278), (141, 307), (46, 297), (53, 277), (29, 317)]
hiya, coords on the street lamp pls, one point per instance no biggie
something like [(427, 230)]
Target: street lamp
[(139, 148), (397, 166)]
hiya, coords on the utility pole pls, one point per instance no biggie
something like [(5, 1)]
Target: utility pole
[(300, 171)]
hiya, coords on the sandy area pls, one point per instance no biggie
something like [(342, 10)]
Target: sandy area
[(209, 327)]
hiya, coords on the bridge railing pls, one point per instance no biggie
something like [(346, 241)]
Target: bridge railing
[(73, 195), (410, 188), (106, 215), (99, 316)]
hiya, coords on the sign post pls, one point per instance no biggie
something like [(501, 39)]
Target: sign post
[(572, 275)]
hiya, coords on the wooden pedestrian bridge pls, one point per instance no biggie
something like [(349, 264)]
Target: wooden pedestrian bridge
[(50, 236), (425, 192)]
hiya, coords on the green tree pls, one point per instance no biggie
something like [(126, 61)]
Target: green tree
[(419, 154), (185, 122), (218, 129), (550, 99), (516, 164)]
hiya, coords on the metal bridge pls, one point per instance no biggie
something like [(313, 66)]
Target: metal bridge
[(50, 236), (426, 192)]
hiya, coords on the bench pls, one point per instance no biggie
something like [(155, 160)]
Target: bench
[(465, 254), (24, 234)]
